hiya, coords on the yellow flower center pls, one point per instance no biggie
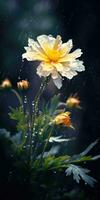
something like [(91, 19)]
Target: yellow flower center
[(53, 55)]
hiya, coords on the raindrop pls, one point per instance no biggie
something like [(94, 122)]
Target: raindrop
[(32, 103), (25, 100), (22, 106), (85, 183)]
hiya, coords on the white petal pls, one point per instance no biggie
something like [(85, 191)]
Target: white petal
[(32, 56), (55, 74), (46, 42), (57, 42), (28, 48), (76, 54), (61, 67), (36, 47), (66, 47), (28, 55), (77, 65), (33, 44), (71, 56), (44, 69), (69, 74), (69, 45), (51, 40), (58, 82), (41, 72), (34, 52)]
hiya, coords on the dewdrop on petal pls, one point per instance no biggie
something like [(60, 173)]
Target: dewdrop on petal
[(6, 84), (23, 85)]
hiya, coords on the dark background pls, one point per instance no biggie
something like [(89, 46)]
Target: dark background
[(78, 20)]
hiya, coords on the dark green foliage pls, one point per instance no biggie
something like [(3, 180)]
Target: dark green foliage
[(18, 115), (30, 167)]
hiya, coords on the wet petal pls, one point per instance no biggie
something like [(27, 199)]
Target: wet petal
[(57, 43), (58, 82), (77, 66), (66, 47), (32, 56), (44, 69), (72, 56), (69, 74), (46, 42), (76, 54)]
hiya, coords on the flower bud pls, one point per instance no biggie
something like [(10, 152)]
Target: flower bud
[(6, 84), (63, 119), (73, 101), (23, 85)]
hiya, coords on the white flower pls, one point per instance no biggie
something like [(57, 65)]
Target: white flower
[(55, 58)]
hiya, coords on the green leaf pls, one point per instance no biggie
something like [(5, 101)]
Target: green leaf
[(80, 173), (18, 115), (54, 103), (89, 148), (4, 133)]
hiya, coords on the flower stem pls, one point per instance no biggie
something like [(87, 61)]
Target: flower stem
[(35, 112), (18, 96), (36, 100), (46, 143)]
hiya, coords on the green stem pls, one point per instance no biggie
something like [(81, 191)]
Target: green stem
[(41, 89), (35, 111), (46, 143), (18, 96)]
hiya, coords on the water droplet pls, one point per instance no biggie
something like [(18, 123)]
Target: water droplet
[(25, 99), (22, 106), (33, 103), (85, 183)]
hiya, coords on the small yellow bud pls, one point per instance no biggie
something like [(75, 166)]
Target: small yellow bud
[(73, 101), (23, 85), (6, 84)]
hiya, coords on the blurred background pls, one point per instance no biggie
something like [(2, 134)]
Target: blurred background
[(74, 19)]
